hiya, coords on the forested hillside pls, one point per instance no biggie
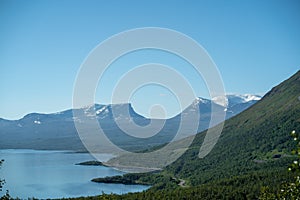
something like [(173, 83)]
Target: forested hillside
[(253, 151)]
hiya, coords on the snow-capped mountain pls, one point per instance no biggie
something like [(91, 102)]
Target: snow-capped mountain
[(233, 105), (57, 130), (233, 99), (113, 111)]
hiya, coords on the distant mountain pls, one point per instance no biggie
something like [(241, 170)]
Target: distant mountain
[(57, 130), (253, 151), (234, 99), (239, 103)]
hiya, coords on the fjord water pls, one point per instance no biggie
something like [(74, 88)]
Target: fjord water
[(53, 174)]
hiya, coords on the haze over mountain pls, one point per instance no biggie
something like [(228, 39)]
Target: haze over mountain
[(253, 153), (57, 130)]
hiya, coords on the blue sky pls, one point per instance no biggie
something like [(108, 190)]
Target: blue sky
[(255, 45)]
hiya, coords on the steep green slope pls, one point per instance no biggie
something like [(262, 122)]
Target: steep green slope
[(250, 140), (253, 151), (241, 187)]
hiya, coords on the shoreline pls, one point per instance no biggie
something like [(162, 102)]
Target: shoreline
[(131, 169)]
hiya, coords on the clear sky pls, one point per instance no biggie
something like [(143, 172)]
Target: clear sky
[(255, 45)]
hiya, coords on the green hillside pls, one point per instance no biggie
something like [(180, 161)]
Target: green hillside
[(253, 151), (249, 141)]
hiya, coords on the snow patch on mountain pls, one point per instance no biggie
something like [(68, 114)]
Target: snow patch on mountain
[(220, 100), (37, 122), (235, 99), (201, 100), (103, 109), (250, 97)]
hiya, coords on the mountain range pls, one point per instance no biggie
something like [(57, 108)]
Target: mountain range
[(56, 131), (251, 157)]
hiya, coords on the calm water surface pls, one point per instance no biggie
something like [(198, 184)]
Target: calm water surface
[(53, 174)]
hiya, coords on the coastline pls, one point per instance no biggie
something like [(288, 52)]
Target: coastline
[(131, 169)]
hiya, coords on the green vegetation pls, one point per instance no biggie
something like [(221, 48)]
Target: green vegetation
[(141, 179), (1, 180), (248, 162), (233, 188), (253, 135), (252, 152), (93, 162), (288, 190)]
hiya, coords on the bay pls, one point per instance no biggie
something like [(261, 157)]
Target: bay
[(53, 174)]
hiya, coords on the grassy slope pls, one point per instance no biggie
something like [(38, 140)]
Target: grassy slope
[(242, 160), (255, 134)]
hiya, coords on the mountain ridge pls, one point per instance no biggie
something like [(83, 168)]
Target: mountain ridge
[(57, 131), (256, 98), (252, 153), (259, 132)]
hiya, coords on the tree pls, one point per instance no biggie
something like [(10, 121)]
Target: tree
[(1, 180), (288, 190)]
